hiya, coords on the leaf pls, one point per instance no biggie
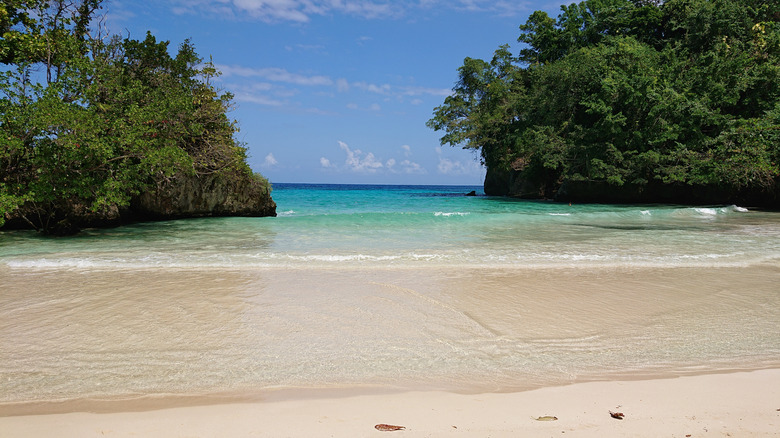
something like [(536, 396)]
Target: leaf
[(616, 415), (388, 427)]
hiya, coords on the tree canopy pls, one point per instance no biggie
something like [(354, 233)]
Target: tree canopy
[(88, 120), (629, 93)]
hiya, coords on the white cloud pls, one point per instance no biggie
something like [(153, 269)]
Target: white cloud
[(261, 93), (410, 167), (420, 91), (447, 166), (270, 160), (272, 10), (271, 82), (374, 107), (407, 150), (450, 167), (274, 74), (502, 7), (243, 96), (373, 88), (302, 11), (299, 11), (357, 162)]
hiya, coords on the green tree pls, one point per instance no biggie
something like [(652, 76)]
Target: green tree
[(630, 93), (104, 121)]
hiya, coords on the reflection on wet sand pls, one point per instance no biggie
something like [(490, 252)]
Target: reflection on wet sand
[(67, 335)]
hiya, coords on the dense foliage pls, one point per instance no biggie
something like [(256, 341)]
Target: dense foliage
[(629, 93), (87, 121)]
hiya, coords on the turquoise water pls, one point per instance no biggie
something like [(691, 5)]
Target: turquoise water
[(325, 225), (389, 286)]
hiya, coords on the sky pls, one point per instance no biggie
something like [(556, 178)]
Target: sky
[(338, 91)]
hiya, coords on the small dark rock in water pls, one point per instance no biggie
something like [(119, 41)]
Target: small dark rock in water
[(388, 427), (472, 193)]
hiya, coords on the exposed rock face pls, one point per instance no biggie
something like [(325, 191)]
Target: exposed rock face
[(199, 196), (180, 197), (516, 184)]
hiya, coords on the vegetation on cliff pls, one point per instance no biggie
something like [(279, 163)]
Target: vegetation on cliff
[(89, 121), (632, 96)]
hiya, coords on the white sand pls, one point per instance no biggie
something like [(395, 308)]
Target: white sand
[(738, 404)]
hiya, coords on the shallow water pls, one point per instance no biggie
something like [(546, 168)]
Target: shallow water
[(401, 287)]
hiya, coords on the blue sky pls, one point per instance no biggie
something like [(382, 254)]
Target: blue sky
[(338, 91)]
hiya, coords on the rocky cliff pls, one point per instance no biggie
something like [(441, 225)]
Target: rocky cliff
[(183, 196), (518, 184), (202, 196)]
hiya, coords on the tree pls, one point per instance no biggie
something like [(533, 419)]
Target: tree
[(107, 119), (630, 93)]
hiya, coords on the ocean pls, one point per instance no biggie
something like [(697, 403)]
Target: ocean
[(399, 287)]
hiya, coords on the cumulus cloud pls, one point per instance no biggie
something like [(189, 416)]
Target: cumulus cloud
[(448, 166), (412, 168), (359, 162), (407, 150), (356, 161), (373, 88)]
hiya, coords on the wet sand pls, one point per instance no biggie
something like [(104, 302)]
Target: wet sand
[(632, 324)]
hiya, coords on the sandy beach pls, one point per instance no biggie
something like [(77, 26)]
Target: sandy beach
[(238, 329), (742, 404)]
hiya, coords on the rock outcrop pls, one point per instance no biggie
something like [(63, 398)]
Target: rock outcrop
[(202, 196), (517, 184), (184, 196)]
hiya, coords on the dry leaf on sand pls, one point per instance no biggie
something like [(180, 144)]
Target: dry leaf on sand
[(388, 427)]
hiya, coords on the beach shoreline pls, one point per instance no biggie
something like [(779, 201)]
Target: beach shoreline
[(740, 404), (160, 401)]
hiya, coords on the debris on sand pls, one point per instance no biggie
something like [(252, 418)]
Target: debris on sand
[(388, 427), (617, 415)]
